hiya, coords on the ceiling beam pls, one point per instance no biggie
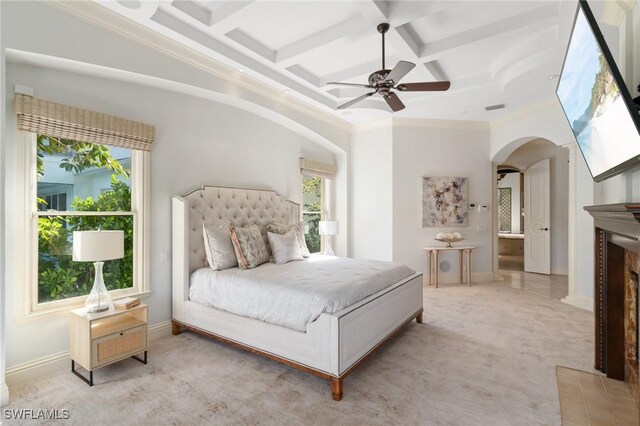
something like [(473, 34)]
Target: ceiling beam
[(251, 43), (227, 10), (375, 12), (349, 73), (195, 11), (288, 54), (536, 17)]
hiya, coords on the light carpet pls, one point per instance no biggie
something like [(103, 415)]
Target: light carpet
[(485, 355)]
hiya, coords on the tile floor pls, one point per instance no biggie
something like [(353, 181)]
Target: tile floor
[(590, 400), (512, 263), (548, 286)]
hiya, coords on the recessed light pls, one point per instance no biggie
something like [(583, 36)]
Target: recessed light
[(553, 76), (285, 91), (241, 69)]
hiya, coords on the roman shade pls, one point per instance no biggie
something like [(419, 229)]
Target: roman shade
[(316, 168), (62, 121)]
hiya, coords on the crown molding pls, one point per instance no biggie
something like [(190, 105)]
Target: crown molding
[(440, 124), (100, 16), (377, 124), (526, 112), (421, 123)]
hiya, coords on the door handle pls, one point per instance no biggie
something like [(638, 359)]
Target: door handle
[(544, 229)]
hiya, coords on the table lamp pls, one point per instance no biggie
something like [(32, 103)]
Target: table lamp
[(98, 246), (328, 228)]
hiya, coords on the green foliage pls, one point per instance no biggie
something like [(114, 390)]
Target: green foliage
[(59, 277), (80, 155), (312, 202)]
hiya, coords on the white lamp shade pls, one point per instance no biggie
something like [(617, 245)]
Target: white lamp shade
[(328, 227), (93, 246)]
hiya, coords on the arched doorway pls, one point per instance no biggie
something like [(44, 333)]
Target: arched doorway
[(511, 208)]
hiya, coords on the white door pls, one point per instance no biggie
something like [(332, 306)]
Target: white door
[(537, 217)]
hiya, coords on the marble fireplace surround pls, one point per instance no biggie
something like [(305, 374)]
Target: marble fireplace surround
[(617, 248)]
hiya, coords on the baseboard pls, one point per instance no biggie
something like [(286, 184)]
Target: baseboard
[(37, 368), (53, 363), (579, 302), (159, 330), (4, 394), (476, 277), (559, 270)]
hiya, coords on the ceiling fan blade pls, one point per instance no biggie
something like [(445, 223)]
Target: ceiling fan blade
[(399, 71), (394, 102), (425, 86), (351, 84), (356, 100)]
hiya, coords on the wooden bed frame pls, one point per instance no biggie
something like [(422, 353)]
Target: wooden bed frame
[(333, 346)]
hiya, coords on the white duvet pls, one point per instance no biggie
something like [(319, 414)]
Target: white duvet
[(294, 294)]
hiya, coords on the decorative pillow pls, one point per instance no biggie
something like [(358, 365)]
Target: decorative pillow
[(284, 248), (249, 246), (280, 228), (218, 246)]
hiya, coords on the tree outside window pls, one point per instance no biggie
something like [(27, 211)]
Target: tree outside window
[(80, 186), (312, 210)]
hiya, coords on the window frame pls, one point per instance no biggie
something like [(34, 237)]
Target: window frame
[(325, 194), (32, 309)]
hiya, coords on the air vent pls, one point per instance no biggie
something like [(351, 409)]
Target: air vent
[(493, 107)]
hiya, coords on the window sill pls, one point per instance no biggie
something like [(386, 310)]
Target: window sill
[(63, 311)]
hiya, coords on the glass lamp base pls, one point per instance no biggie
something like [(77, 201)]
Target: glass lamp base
[(97, 309), (98, 299)]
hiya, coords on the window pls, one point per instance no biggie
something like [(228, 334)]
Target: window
[(316, 184), (312, 210), (83, 186), (82, 170)]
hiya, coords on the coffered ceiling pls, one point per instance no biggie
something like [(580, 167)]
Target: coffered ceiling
[(493, 52)]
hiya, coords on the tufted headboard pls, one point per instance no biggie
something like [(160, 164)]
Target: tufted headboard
[(217, 205)]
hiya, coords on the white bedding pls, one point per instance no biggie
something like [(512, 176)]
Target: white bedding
[(294, 294)]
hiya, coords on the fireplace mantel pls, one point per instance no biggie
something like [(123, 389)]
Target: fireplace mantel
[(621, 218), (617, 267)]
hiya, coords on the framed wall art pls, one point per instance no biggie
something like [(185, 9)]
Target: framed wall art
[(444, 202)]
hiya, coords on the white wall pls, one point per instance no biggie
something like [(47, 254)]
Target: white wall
[(529, 154), (197, 142), (446, 149), (372, 193), (215, 126), (512, 180)]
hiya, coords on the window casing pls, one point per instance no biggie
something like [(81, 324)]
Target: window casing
[(36, 307), (315, 207)]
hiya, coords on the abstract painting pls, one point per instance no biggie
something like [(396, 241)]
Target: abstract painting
[(444, 202)]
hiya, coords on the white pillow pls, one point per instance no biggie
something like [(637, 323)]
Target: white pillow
[(219, 248), (284, 248)]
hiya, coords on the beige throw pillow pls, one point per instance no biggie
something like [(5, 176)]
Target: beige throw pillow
[(284, 248), (280, 228), (218, 246), (249, 246)]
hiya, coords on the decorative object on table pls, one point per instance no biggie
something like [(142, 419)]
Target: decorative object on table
[(449, 238), (328, 228), (98, 246), (126, 303), (444, 202)]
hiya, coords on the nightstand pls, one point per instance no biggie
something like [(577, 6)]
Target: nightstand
[(102, 338)]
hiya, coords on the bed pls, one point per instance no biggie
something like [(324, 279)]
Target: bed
[(333, 345)]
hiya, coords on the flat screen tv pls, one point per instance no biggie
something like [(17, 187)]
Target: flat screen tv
[(601, 113)]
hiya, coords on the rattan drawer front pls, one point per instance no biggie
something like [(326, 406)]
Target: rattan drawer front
[(116, 346)]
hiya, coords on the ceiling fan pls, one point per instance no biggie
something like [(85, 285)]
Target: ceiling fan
[(384, 81)]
